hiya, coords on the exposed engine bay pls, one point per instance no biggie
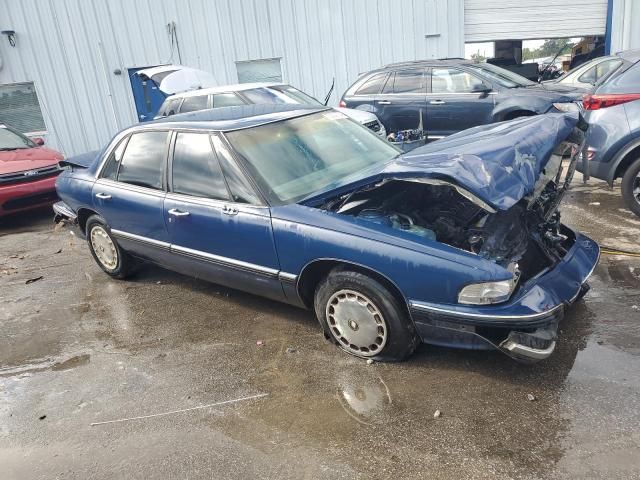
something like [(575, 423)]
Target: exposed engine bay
[(526, 239)]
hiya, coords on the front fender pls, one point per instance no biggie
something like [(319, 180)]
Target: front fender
[(420, 269)]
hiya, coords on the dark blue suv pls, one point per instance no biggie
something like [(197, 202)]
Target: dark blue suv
[(446, 96)]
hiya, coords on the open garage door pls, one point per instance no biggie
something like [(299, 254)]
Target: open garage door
[(486, 20)]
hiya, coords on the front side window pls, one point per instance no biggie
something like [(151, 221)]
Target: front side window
[(195, 168), (113, 163), (171, 107), (143, 160), (240, 190), (195, 103), (452, 80), (299, 157), (373, 85), (499, 75), (226, 100)]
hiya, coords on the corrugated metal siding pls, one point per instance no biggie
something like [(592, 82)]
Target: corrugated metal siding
[(486, 20), (70, 48), (625, 25)]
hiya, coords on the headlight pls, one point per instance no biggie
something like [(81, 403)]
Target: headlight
[(567, 107), (487, 292)]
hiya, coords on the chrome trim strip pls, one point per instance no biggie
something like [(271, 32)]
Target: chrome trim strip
[(209, 257), (141, 239), (532, 316), (132, 188), (213, 202), (528, 352), (287, 277), (64, 210)]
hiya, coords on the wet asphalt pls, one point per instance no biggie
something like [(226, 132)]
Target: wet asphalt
[(149, 360)]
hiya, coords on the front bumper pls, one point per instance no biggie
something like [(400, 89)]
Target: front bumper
[(525, 326), (23, 196)]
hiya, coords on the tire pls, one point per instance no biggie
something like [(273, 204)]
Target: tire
[(105, 250), (363, 317), (631, 187)]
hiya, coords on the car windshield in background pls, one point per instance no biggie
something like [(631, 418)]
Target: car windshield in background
[(296, 158), (501, 76), (10, 140), (279, 94)]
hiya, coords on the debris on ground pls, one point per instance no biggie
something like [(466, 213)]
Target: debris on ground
[(635, 307), (291, 350), (531, 397), (58, 251), (370, 361), (596, 204), (159, 282), (260, 343), (35, 279), (437, 414), (42, 417)]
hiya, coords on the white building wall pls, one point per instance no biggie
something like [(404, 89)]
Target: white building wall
[(71, 48), (486, 20), (625, 25)]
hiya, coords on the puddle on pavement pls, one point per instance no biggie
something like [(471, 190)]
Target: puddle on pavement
[(72, 362)]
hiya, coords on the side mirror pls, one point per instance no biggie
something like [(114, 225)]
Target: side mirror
[(38, 141), (481, 88)]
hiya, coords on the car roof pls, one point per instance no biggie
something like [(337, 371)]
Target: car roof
[(232, 118), (630, 55), (237, 87), (424, 63)]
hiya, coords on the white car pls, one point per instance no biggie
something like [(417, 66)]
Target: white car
[(255, 93)]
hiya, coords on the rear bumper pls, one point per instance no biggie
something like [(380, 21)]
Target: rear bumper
[(27, 195), (524, 327), (63, 213)]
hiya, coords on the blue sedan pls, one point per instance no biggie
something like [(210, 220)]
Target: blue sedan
[(458, 243)]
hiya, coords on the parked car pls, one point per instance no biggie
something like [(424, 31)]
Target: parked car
[(256, 93), (589, 74), (28, 172), (613, 138), (447, 96), (458, 243)]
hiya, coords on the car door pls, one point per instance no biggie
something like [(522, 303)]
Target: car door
[(217, 227), (129, 193), (401, 105), (454, 104)]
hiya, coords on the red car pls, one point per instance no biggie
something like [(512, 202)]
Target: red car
[(28, 172)]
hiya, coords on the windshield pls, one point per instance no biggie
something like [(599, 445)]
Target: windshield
[(10, 140), (501, 76), (293, 159), (279, 94)]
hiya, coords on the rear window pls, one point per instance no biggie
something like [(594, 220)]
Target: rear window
[(193, 104), (143, 160), (373, 85)]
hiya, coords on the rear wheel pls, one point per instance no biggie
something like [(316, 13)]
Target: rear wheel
[(631, 187), (105, 250), (363, 317)]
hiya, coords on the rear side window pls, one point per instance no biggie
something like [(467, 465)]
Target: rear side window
[(373, 85), (170, 107), (143, 160), (240, 190), (110, 170), (195, 169), (599, 71), (626, 82), (193, 104), (406, 81), (226, 100)]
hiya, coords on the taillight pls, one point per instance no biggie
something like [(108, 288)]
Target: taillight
[(342, 104), (596, 102)]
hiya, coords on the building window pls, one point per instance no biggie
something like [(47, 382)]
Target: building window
[(19, 108), (267, 70)]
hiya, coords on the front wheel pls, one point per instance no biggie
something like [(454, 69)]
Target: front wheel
[(363, 317), (631, 187)]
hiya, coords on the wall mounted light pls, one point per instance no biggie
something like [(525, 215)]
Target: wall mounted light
[(11, 36)]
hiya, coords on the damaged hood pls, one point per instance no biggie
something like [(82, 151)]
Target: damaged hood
[(499, 163)]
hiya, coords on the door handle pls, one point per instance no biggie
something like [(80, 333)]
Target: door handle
[(178, 213), (437, 102), (229, 210), (103, 196), (384, 102)]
